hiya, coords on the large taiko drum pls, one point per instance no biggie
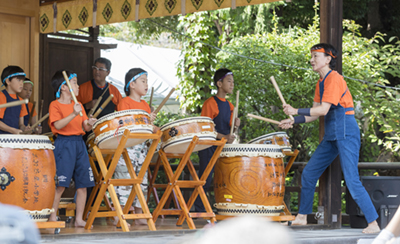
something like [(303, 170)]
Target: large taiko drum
[(27, 172), (277, 138), (177, 135), (249, 179), (109, 129)]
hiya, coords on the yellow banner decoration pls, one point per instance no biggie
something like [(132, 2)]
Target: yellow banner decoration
[(79, 13)]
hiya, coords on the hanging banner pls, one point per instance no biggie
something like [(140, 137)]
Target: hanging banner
[(85, 13)]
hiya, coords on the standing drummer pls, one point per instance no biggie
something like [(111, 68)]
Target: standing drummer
[(91, 90), (342, 136), (220, 111)]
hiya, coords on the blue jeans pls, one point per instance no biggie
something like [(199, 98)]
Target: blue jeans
[(348, 151), (204, 158)]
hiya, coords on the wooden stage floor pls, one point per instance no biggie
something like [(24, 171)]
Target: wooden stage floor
[(168, 233)]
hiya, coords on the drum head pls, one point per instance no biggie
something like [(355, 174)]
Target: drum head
[(185, 121), (180, 145), (111, 140), (263, 137), (118, 114)]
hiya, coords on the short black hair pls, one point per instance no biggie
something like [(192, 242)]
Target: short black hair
[(104, 61), (9, 70), (219, 74), (129, 75), (328, 49), (58, 79)]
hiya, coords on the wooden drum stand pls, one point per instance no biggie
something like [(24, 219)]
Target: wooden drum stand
[(104, 182)]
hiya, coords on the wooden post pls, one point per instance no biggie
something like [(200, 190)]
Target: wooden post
[(331, 13)]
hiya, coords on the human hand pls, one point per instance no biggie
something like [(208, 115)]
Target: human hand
[(77, 108), (289, 110), (286, 124), (229, 138), (237, 122), (152, 117), (91, 121)]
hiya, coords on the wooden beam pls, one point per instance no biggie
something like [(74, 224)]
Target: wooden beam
[(331, 14)]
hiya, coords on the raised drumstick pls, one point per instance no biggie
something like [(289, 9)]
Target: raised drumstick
[(235, 112), (98, 102), (106, 102), (264, 119), (36, 124), (70, 89), (151, 96), (31, 113), (164, 101), (13, 104), (279, 93)]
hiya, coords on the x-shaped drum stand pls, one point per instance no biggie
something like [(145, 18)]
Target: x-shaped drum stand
[(175, 185), (104, 182)]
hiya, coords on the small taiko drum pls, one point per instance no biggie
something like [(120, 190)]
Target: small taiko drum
[(249, 179), (109, 129), (90, 143), (177, 135), (278, 138), (27, 172)]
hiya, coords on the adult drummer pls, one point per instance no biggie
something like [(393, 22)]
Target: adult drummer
[(342, 136), (91, 90)]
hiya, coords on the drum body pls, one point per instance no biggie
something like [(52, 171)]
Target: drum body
[(177, 135), (249, 179), (27, 172), (90, 144), (278, 138), (109, 129)]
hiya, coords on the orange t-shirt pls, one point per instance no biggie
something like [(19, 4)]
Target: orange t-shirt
[(128, 103), (86, 93), (30, 105), (3, 100), (334, 87), (59, 111), (210, 108)]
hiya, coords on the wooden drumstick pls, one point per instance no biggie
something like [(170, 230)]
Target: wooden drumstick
[(264, 119), (41, 109), (31, 113), (164, 101), (106, 102), (13, 104), (70, 89), (279, 93), (235, 112), (98, 102), (151, 96), (36, 124)]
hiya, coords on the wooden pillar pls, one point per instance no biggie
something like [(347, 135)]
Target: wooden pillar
[(331, 14)]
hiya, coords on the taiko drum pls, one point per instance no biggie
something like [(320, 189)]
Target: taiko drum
[(177, 135), (109, 129), (27, 172), (249, 179), (277, 138)]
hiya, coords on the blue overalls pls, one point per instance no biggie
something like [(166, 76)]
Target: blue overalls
[(221, 126), (11, 115), (342, 137)]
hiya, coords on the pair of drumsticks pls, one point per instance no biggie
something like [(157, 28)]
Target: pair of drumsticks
[(283, 102)]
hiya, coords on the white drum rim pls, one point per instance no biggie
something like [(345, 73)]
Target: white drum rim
[(261, 150), (266, 136), (147, 129), (119, 114), (186, 121), (205, 135), (248, 209), (90, 137), (43, 214), (26, 142)]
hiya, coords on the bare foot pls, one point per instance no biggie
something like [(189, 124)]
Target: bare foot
[(81, 224), (116, 220), (140, 222), (301, 219), (372, 228)]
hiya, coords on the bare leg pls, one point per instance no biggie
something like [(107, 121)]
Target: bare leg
[(56, 202), (80, 206), (139, 221), (116, 219)]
